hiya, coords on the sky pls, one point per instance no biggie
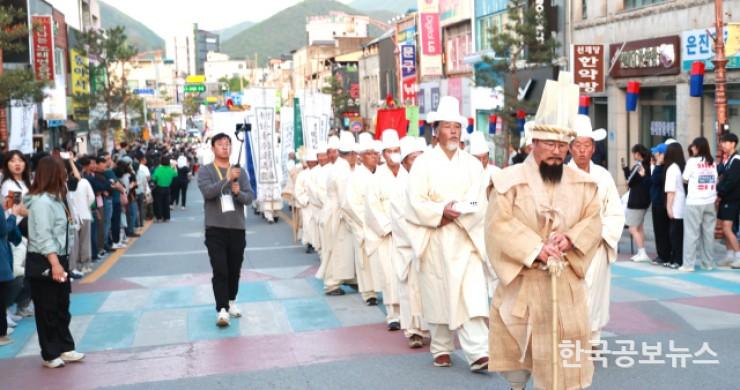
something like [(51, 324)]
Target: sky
[(169, 17)]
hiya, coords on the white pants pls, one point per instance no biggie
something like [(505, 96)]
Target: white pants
[(393, 312), (473, 336)]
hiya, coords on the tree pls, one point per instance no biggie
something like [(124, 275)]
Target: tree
[(339, 96), (111, 52), (517, 46), (235, 83), (16, 84)]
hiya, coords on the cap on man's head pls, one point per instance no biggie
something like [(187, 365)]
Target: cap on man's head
[(390, 139), (346, 142), (333, 142), (660, 148), (321, 148), (410, 145), (478, 144)]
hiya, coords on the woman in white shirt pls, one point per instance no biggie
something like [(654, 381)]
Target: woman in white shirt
[(80, 198), (675, 201), (700, 216)]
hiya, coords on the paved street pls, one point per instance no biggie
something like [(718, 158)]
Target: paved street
[(148, 323)]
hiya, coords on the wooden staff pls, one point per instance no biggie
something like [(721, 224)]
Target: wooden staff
[(554, 297)]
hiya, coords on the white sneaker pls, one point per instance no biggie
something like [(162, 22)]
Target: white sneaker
[(72, 356), (182, 208), (118, 245), (735, 264), (234, 309), (25, 312), (222, 319), (727, 261), (9, 331), (685, 268), (56, 363), (11, 323), (5, 340), (640, 257), (13, 316)]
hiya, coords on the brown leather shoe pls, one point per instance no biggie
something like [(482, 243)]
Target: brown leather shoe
[(443, 361), (480, 364)]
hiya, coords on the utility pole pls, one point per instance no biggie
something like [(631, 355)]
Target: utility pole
[(720, 62)]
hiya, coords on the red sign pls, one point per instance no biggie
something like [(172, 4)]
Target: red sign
[(588, 66), (392, 119), (409, 91), (43, 48), (431, 44)]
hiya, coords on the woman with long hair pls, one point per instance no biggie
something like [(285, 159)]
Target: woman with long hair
[(50, 237), (16, 181), (661, 222), (638, 202), (700, 215), (675, 201)]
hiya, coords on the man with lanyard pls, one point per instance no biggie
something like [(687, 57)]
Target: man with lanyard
[(226, 192)]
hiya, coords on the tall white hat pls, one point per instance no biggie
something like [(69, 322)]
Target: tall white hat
[(333, 142), (448, 111), (378, 146), (390, 139), (366, 143), (558, 109), (346, 142), (410, 145), (321, 148), (583, 129), (478, 144)]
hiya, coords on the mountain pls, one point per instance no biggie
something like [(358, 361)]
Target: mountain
[(140, 36), (286, 30), (394, 6), (229, 32)]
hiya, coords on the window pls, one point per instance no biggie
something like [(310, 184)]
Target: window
[(631, 4), (584, 9), (458, 42), (487, 7), (485, 28)]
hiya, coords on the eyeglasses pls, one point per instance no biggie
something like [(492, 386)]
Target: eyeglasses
[(552, 145)]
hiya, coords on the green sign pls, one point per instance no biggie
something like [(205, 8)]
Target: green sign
[(195, 88)]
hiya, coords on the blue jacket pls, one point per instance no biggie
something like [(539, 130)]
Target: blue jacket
[(9, 232)]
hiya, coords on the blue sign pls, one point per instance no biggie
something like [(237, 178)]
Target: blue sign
[(144, 91), (54, 122), (408, 60)]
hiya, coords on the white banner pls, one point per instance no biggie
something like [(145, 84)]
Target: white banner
[(286, 139), (265, 147), (21, 126), (317, 114)]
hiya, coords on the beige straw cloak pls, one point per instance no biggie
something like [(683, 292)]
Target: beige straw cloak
[(338, 247), (353, 210), (521, 313)]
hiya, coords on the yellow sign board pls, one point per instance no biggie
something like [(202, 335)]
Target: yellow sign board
[(196, 79), (732, 45), (79, 65)]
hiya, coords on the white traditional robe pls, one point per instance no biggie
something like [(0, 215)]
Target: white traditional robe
[(303, 203), (319, 198), (452, 277), (339, 249), (353, 210), (412, 319), (598, 274), (378, 241)]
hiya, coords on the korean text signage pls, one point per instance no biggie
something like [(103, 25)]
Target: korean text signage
[(696, 45), (539, 7), (588, 67), (79, 69), (647, 57), (431, 43), (43, 48), (408, 60)]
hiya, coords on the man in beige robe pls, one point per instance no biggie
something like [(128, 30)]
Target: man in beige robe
[(322, 178), (303, 201), (540, 212), (412, 320), (598, 275), (445, 188), (379, 242), (339, 265), (369, 278), (317, 196)]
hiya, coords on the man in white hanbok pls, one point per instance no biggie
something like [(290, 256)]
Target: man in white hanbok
[(302, 200), (598, 274), (445, 193)]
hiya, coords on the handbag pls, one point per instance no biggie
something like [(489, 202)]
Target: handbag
[(38, 267)]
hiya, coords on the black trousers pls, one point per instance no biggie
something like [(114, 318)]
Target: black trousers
[(183, 192), (661, 227), (162, 203), (226, 251), (175, 191), (676, 233), (4, 296), (51, 304), (115, 225)]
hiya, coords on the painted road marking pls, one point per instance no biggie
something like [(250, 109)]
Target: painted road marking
[(202, 251), (113, 259)]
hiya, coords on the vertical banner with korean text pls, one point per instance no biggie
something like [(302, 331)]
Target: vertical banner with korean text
[(22, 117), (430, 55), (43, 47)]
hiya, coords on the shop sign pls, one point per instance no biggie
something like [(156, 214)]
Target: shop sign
[(43, 48), (647, 57), (588, 67), (408, 60), (430, 55), (697, 45), (663, 129)]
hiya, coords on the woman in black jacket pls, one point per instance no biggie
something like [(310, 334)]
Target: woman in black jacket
[(661, 222), (638, 181)]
